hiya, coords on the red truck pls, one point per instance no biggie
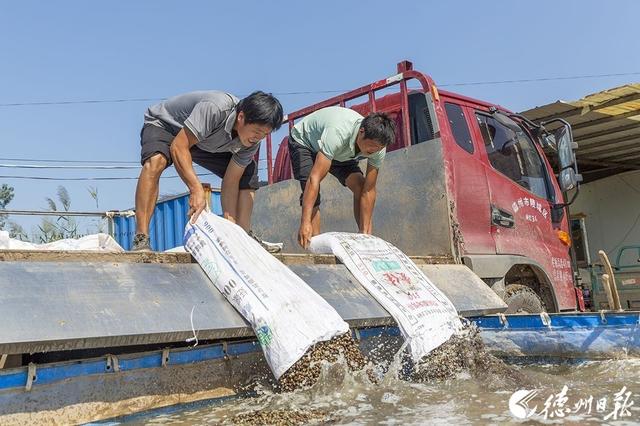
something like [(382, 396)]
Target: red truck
[(466, 181)]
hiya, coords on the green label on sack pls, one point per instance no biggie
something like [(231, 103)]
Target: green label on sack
[(385, 265), (210, 268), (264, 335)]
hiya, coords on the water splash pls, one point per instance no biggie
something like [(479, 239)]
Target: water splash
[(345, 397)]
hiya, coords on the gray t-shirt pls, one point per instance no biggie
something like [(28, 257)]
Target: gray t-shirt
[(209, 115)]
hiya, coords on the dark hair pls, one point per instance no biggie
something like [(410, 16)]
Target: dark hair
[(378, 126), (261, 108)]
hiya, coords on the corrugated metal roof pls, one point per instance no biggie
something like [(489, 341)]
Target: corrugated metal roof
[(606, 126)]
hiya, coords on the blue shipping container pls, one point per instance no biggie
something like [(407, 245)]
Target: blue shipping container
[(167, 224)]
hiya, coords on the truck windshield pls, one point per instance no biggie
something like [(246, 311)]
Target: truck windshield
[(513, 154)]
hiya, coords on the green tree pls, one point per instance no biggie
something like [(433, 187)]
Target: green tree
[(6, 195), (16, 231), (63, 226), (93, 192)]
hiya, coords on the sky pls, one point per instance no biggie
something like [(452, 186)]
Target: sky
[(70, 51)]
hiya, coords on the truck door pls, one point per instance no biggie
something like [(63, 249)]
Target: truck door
[(520, 202), (469, 183)]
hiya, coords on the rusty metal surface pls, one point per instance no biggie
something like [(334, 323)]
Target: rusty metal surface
[(411, 211)]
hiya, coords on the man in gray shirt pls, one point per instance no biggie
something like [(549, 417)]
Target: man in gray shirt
[(215, 130)]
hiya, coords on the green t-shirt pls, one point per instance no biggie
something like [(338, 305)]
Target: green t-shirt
[(333, 131)]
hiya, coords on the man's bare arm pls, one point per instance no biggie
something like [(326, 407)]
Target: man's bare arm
[(319, 170), (181, 156), (368, 200), (231, 190)]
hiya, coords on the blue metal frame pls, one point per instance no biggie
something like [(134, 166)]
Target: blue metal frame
[(572, 320), (55, 372), (562, 336)]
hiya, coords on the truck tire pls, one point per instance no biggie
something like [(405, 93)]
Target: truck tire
[(521, 299)]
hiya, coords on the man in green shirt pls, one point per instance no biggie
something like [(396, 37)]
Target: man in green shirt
[(333, 140)]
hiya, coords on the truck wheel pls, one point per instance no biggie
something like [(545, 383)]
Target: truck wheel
[(521, 299)]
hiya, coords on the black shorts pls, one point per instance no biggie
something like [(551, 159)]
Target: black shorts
[(154, 140), (302, 159)]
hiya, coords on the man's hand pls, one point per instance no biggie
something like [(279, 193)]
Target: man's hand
[(304, 234), (197, 203)]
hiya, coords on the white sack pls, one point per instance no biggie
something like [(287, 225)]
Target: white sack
[(94, 242), (426, 317), (287, 316)]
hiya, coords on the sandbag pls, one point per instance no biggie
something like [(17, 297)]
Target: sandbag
[(94, 242), (425, 316), (287, 316)]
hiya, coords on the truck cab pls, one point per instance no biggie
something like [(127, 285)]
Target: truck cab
[(466, 182), (505, 195)]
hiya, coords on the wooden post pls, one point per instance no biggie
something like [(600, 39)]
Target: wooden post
[(607, 289), (612, 280)]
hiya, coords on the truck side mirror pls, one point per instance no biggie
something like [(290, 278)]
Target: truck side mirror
[(568, 177), (566, 156)]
